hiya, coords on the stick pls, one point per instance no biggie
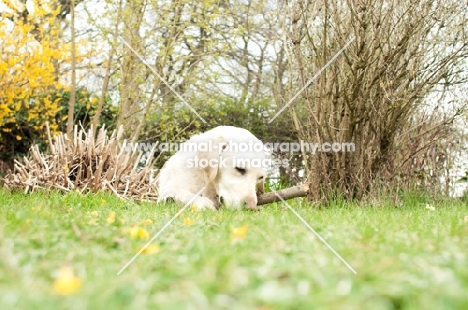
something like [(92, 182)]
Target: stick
[(287, 193)]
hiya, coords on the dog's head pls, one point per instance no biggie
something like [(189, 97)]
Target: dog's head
[(235, 167)]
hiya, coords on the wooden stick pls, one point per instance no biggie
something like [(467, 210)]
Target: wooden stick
[(287, 193)]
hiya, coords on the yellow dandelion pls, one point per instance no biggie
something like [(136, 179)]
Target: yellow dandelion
[(137, 232), (19, 138), (151, 249), (95, 213), (66, 283), (239, 233), (188, 221), (146, 222), (194, 208), (111, 217)]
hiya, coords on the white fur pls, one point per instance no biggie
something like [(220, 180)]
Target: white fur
[(183, 176)]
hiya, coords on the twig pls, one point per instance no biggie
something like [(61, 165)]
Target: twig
[(287, 193)]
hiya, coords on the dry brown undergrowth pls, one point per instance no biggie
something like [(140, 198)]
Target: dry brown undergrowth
[(86, 163)]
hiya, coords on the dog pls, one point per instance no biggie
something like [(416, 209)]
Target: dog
[(223, 166)]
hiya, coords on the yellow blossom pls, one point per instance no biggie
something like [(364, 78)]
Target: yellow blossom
[(66, 283), (194, 208), (111, 217), (151, 249), (138, 232), (147, 222), (239, 233), (27, 67), (95, 213), (188, 221)]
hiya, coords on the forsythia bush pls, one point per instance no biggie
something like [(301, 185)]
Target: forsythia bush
[(31, 52)]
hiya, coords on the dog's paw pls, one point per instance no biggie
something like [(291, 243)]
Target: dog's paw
[(203, 203)]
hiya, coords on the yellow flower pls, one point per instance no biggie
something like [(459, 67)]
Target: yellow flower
[(239, 233), (66, 283), (138, 232), (188, 221), (18, 137), (111, 217), (151, 249), (95, 213), (146, 222), (194, 208), (466, 218)]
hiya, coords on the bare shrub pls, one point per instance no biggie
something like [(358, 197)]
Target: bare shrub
[(84, 163), (379, 93)]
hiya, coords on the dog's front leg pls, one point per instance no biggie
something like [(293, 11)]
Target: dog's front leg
[(202, 203)]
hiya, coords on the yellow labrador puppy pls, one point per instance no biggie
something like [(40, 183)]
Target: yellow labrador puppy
[(229, 162)]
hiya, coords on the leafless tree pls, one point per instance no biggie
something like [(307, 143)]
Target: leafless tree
[(71, 103), (402, 53)]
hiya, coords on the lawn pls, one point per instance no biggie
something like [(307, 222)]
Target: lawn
[(64, 252)]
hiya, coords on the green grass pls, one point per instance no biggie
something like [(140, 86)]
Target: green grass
[(408, 257)]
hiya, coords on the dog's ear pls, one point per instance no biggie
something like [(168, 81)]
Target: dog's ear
[(212, 156)]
